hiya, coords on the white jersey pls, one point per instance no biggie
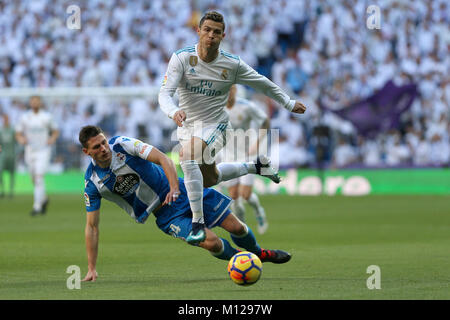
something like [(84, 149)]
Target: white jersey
[(246, 118), (36, 127), (203, 87), (244, 113)]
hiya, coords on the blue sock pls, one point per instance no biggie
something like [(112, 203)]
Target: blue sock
[(227, 251), (247, 241)]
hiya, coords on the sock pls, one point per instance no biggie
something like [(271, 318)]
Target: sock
[(227, 251), (253, 201), (231, 170), (247, 241), (237, 207), (193, 180), (39, 192)]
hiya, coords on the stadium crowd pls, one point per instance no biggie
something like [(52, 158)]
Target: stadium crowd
[(312, 49)]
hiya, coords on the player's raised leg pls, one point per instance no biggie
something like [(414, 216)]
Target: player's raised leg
[(214, 174)]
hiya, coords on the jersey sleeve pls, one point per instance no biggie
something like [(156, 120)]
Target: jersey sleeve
[(92, 197), (170, 83), (135, 147), (248, 76)]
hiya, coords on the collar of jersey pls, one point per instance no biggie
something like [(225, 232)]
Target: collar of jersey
[(203, 61)]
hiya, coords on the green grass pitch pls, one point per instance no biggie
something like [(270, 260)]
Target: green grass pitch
[(332, 239)]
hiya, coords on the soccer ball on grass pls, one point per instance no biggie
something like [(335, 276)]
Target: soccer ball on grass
[(245, 268)]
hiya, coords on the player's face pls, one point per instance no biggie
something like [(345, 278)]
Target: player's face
[(211, 34), (35, 103), (98, 148)]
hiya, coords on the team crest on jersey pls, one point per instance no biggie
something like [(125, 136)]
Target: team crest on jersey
[(193, 60), (120, 156), (224, 74), (164, 80)]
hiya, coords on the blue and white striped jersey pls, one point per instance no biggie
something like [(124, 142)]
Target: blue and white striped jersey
[(135, 184)]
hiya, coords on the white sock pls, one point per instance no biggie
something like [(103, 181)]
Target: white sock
[(39, 192), (193, 180), (238, 208), (231, 170)]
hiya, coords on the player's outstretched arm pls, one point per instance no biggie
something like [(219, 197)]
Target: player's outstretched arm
[(168, 166), (248, 76), (91, 233)]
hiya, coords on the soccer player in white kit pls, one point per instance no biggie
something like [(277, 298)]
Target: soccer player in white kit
[(37, 131), (203, 75), (252, 123)]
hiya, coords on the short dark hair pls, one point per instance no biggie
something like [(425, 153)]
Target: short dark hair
[(88, 132), (214, 16)]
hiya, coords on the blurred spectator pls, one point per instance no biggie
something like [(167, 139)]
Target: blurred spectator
[(397, 153), (369, 153), (344, 154)]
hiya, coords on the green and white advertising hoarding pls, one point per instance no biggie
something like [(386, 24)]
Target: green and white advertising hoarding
[(297, 182)]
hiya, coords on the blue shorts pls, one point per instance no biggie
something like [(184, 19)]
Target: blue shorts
[(178, 223)]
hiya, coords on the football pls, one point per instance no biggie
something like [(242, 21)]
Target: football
[(245, 268)]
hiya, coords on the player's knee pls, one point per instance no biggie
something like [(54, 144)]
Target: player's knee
[(210, 179), (193, 150), (233, 193), (245, 196), (245, 192), (238, 228)]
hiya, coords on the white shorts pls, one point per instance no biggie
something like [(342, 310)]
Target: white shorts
[(245, 180), (37, 161), (214, 135)]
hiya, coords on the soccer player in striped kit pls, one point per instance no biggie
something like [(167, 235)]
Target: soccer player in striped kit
[(142, 181), (202, 75)]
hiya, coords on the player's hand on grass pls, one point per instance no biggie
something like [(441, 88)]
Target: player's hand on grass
[(299, 107), (179, 117), (171, 196), (91, 276)]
